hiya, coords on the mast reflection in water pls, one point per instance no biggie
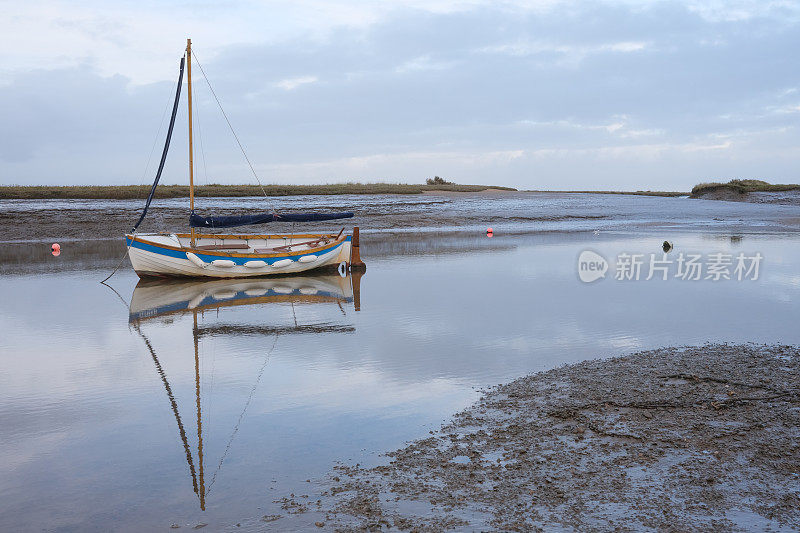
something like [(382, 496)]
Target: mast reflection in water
[(161, 300)]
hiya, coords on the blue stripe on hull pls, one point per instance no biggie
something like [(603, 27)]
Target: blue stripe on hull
[(147, 247), (155, 249)]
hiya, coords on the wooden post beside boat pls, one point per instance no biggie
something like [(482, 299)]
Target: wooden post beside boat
[(355, 277), (355, 255), (191, 150)]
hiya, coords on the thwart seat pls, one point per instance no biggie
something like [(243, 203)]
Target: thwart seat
[(222, 247), (288, 247)]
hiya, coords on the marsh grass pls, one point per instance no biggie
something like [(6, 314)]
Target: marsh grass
[(123, 192)]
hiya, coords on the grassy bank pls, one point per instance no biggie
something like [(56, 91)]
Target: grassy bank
[(741, 187), (123, 192)]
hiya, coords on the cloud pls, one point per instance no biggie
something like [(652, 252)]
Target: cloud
[(290, 84), (565, 53), (791, 108), (744, 10), (532, 95), (424, 63)]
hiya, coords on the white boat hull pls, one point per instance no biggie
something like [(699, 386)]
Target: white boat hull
[(173, 255)]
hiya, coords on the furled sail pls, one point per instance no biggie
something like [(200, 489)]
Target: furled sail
[(197, 221), (166, 147)]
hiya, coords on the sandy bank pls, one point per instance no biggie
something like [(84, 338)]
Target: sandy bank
[(704, 438)]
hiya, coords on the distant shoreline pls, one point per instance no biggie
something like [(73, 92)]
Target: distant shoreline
[(733, 191), (130, 192), (629, 193)]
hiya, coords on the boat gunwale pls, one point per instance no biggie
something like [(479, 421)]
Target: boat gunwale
[(252, 255), (245, 236)]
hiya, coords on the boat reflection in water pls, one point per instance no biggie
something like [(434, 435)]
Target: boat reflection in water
[(162, 300)]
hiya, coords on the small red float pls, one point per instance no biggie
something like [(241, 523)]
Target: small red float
[(56, 249)]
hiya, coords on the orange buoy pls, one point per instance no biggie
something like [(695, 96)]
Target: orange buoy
[(489, 232), (56, 249)]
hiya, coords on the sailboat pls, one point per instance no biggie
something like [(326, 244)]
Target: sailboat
[(214, 255)]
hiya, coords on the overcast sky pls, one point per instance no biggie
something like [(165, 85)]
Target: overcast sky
[(537, 95)]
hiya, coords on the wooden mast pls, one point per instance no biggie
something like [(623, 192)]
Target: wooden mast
[(191, 150)]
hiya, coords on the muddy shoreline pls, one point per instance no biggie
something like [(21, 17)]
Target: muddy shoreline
[(675, 439)]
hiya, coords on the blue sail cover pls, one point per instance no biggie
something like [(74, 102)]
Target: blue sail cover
[(196, 221)]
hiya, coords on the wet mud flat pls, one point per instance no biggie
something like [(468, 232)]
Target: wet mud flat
[(506, 212), (675, 439), (22, 225)]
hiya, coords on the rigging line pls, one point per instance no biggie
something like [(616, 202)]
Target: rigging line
[(173, 404), (158, 134), (241, 416), (200, 134), (166, 145), (253, 170)]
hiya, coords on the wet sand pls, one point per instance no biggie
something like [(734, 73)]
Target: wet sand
[(676, 439)]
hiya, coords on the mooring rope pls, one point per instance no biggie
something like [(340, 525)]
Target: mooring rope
[(126, 304), (127, 249)]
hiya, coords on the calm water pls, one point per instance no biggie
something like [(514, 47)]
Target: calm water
[(101, 395)]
